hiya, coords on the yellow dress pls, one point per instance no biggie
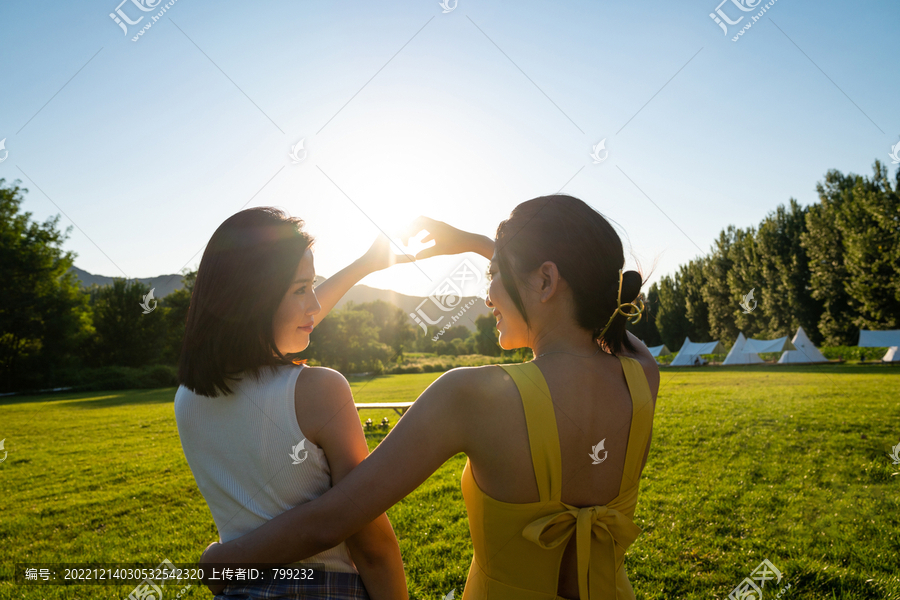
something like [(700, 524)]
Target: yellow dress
[(518, 548)]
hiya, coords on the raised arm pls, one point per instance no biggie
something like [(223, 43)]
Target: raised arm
[(431, 432), (379, 256), (449, 239)]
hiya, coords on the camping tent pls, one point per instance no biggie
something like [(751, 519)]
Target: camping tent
[(806, 352), (739, 356), (658, 351), (746, 352), (690, 353), (880, 339), (777, 345)]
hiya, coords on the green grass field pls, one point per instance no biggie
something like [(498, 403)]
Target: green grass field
[(784, 463)]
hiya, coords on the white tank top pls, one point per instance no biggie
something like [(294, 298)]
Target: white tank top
[(240, 450)]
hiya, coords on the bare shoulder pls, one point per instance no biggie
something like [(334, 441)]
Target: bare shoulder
[(651, 371), (320, 382), (473, 379), (647, 361), (465, 404), (320, 395), (467, 388)]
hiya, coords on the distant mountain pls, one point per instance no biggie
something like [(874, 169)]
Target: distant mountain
[(163, 284), (358, 294)]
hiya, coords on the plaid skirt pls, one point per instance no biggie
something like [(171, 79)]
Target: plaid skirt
[(326, 586)]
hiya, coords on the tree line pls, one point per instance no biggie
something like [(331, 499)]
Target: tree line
[(832, 267), (54, 333)]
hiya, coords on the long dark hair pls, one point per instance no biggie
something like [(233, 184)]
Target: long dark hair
[(245, 271), (586, 250)]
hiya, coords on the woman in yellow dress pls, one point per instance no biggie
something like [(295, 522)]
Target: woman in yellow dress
[(555, 446)]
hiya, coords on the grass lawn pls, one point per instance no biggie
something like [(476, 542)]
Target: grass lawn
[(748, 463)]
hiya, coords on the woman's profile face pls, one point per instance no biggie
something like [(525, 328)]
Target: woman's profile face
[(512, 327), (293, 321)]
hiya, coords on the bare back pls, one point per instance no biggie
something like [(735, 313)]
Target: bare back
[(592, 403)]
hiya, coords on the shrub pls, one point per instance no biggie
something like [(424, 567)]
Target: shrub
[(116, 378), (162, 376), (853, 353)]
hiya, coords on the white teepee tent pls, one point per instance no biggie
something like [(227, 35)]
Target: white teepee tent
[(657, 351), (777, 345), (806, 352), (880, 339), (690, 353), (738, 354)]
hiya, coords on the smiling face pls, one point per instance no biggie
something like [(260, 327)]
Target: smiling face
[(512, 327), (293, 321)]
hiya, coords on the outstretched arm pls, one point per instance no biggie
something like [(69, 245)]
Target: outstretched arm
[(431, 432), (379, 256), (330, 419), (449, 239)]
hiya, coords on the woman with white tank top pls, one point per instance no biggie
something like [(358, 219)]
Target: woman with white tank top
[(263, 433)]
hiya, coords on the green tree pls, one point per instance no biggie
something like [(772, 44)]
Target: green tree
[(645, 329), (720, 300), (347, 340), (696, 308), (44, 317), (125, 336), (682, 311), (871, 235), (783, 268), (745, 275), (486, 336), (824, 243), (457, 332), (394, 326), (853, 245), (175, 309), (442, 348), (671, 315)]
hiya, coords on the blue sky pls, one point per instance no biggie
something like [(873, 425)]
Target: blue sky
[(404, 110)]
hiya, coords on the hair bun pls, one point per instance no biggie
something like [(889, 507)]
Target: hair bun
[(631, 285)]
